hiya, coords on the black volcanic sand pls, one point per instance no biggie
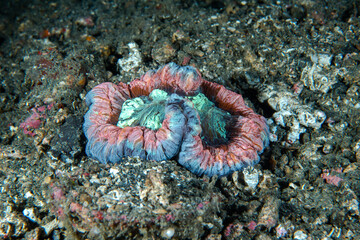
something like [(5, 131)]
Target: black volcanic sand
[(53, 53)]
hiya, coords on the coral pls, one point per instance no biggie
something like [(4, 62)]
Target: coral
[(174, 112)]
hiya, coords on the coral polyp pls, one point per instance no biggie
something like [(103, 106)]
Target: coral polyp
[(173, 113)]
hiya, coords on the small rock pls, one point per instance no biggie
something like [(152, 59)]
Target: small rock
[(133, 61), (269, 214), (251, 176), (163, 52), (168, 233), (300, 235), (50, 226), (66, 144), (30, 214)]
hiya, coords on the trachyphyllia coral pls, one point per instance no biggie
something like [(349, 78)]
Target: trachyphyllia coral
[(174, 113)]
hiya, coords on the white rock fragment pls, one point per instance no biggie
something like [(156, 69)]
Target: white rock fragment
[(281, 231), (294, 133), (357, 146), (312, 119), (94, 179), (133, 60), (322, 59), (300, 235), (273, 129), (30, 214), (114, 197), (28, 195), (168, 233), (316, 79), (251, 176), (50, 226), (319, 76), (94, 231), (117, 195), (290, 112), (114, 171)]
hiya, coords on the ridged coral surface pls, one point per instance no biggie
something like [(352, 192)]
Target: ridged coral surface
[(173, 113)]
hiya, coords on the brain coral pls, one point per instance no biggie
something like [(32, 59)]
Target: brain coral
[(173, 113)]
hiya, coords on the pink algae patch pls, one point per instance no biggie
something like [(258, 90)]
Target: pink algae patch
[(36, 118), (251, 225), (58, 194), (331, 179)]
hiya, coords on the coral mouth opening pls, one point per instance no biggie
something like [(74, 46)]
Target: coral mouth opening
[(145, 111), (149, 112), (215, 127), (215, 122)]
